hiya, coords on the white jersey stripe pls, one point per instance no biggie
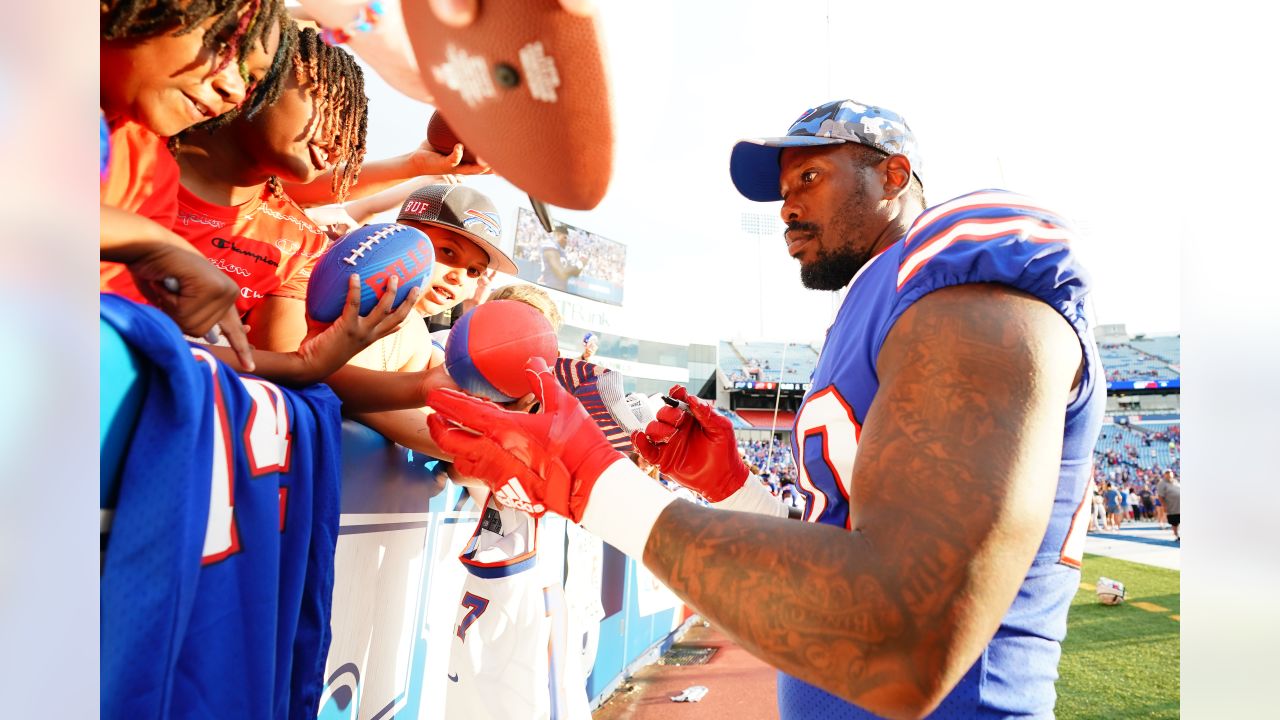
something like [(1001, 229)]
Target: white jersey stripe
[(976, 201), (979, 230)]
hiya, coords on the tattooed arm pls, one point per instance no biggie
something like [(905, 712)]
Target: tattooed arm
[(951, 494)]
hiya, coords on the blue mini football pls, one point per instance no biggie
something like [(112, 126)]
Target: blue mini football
[(376, 252)]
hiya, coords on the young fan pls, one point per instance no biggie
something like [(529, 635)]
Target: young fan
[(465, 227), (166, 66), (169, 65), (231, 206)]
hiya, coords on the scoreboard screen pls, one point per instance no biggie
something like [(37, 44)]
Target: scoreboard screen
[(766, 385)]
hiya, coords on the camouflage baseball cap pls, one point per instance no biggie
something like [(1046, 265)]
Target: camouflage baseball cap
[(466, 212), (754, 164)]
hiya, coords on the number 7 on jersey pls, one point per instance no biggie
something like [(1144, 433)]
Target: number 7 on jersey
[(476, 606)]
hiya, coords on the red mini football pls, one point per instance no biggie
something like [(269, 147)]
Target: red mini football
[(524, 85), (489, 346)]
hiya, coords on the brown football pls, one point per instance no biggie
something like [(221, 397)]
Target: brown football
[(524, 86), (442, 138)]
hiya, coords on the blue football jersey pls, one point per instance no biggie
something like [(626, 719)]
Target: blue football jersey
[(989, 236), (218, 573)]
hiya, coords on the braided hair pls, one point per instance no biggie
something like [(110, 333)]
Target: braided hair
[(338, 84), (237, 26)]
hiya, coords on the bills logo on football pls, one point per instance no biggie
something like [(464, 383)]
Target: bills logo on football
[(413, 261), (513, 496)]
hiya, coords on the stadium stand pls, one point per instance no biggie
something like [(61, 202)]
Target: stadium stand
[(1131, 448), (1142, 359), (738, 422), (764, 419), (1138, 358), (1166, 348), (1129, 451), (729, 352)]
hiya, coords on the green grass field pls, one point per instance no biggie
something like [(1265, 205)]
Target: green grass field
[(1122, 661)]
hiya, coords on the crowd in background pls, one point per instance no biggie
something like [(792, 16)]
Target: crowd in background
[(772, 462), (1140, 456), (1131, 483), (1128, 487), (598, 257), (1134, 373)]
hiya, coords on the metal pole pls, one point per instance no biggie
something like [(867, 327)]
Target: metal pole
[(777, 399)]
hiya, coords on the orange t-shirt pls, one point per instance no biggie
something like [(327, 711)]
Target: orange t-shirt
[(142, 177), (267, 245)]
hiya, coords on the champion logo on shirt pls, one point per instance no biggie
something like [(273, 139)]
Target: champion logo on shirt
[(225, 244), (513, 496), (195, 219)]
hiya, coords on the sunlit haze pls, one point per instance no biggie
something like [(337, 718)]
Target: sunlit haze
[(1076, 105)]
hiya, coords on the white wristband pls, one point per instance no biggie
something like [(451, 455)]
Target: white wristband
[(624, 505), (752, 497)]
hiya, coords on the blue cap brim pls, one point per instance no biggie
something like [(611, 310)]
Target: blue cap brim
[(754, 164)]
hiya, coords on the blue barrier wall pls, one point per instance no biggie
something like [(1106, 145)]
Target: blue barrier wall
[(627, 635)]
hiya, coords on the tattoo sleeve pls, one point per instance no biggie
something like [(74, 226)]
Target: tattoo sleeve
[(951, 492)]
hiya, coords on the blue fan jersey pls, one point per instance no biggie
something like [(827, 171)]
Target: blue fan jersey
[(989, 236), (104, 146), (218, 573)]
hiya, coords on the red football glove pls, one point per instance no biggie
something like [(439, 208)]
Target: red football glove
[(535, 463), (699, 451)]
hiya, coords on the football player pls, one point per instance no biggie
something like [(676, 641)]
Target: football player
[(943, 450)]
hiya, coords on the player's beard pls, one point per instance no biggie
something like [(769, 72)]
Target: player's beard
[(833, 269)]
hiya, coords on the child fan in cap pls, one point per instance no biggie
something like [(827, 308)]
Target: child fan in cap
[(464, 227)]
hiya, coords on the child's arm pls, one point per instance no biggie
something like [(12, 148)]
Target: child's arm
[(329, 349), (379, 175)]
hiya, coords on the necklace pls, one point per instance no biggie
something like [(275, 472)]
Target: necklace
[(395, 350)]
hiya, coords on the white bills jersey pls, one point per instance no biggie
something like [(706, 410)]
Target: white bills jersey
[(509, 657)]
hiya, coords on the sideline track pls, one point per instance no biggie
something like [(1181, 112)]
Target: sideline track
[(1141, 542), (738, 685)]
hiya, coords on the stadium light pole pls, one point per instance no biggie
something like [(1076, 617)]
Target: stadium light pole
[(777, 400), (760, 283)]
